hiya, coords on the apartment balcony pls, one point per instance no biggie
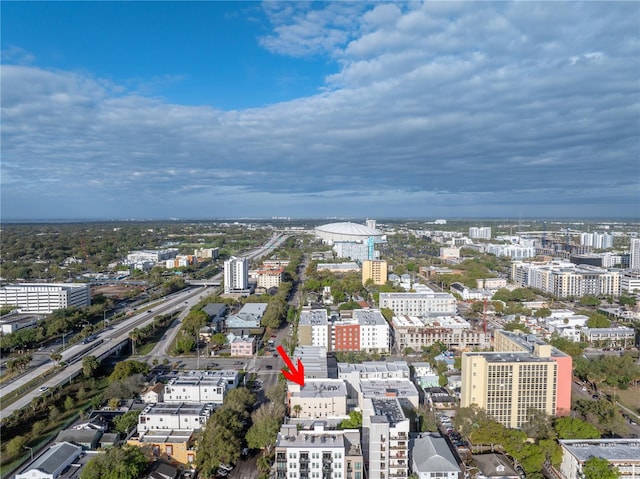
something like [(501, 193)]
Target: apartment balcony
[(281, 457), (400, 437), (398, 447), (402, 473), (281, 474), (304, 467), (281, 466)]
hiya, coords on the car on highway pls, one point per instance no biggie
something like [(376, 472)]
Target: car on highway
[(43, 388), (268, 366)]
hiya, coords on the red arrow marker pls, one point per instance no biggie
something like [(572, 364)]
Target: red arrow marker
[(293, 375)]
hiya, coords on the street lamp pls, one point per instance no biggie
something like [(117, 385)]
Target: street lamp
[(30, 450), (63, 336)]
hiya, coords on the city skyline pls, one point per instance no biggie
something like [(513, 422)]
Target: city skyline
[(242, 109)]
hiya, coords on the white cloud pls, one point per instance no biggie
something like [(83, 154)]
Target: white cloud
[(436, 107)]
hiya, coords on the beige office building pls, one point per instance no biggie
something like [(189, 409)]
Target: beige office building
[(318, 398), (375, 270)]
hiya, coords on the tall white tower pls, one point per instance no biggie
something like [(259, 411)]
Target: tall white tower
[(371, 224), (236, 274), (635, 253)]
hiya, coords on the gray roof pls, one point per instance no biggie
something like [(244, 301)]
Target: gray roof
[(79, 436), (613, 450), (55, 457), (431, 453), (215, 309)]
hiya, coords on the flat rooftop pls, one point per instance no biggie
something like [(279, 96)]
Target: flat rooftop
[(528, 342), (193, 409), (324, 388), (313, 317), (388, 409), (615, 450), (175, 436), (510, 357), (375, 367), (391, 387), (290, 437)]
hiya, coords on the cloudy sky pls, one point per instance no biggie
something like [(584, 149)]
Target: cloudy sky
[(213, 109)]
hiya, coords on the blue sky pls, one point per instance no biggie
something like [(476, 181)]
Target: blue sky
[(226, 109)]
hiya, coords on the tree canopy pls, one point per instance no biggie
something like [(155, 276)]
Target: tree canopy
[(116, 463)]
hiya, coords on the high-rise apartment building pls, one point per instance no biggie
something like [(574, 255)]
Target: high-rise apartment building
[(635, 253), (597, 240), (318, 453), (523, 373), (236, 275), (480, 232), (375, 270)]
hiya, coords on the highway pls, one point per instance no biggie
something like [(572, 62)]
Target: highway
[(112, 337)]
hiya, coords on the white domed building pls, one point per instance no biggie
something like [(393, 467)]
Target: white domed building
[(336, 232)]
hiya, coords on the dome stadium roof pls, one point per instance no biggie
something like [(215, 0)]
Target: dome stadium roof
[(350, 229)]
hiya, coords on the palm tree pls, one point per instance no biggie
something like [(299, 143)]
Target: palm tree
[(297, 408), (56, 357), (134, 336)]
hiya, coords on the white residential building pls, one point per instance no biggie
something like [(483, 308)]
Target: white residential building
[(318, 453), (597, 240), (45, 298), (313, 328), (564, 279), (480, 232), (374, 330), (621, 453), (151, 256), (236, 275), (635, 254), (385, 439), (201, 386), (630, 281), (427, 303), (431, 457), (511, 250), (159, 416)]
